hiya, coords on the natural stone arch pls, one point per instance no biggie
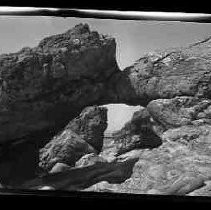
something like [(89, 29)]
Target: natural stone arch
[(94, 78)]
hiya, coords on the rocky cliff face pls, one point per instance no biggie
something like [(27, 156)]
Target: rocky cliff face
[(164, 74), (181, 165), (53, 81), (174, 85), (164, 149), (43, 88)]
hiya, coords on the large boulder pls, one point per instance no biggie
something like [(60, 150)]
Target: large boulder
[(90, 125), (195, 137), (83, 135), (179, 111), (66, 148)]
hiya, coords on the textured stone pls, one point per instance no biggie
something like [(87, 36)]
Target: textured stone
[(182, 164), (89, 159), (43, 88), (164, 74), (53, 82), (90, 125), (83, 135), (203, 191), (67, 148), (82, 177), (179, 111), (171, 169)]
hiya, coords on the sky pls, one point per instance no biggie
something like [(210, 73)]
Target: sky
[(133, 38)]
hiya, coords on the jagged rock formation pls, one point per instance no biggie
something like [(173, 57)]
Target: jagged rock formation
[(53, 81), (45, 87), (83, 135), (165, 74), (67, 148), (65, 73), (171, 169), (91, 124), (179, 111), (181, 165)]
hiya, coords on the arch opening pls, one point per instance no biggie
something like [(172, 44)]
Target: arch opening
[(129, 128)]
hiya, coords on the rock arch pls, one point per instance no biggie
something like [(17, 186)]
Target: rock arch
[(39, 105)]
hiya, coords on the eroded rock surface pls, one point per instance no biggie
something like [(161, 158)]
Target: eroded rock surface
[(43, 88), (182, 164), (66, 72), (171, 169), (165, 74), (53, 82), (83, 135), (89, 159), (82, 177), (179, 111)]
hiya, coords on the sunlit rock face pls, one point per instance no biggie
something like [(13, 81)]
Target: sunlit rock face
[(165, 74), (179, 111)]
